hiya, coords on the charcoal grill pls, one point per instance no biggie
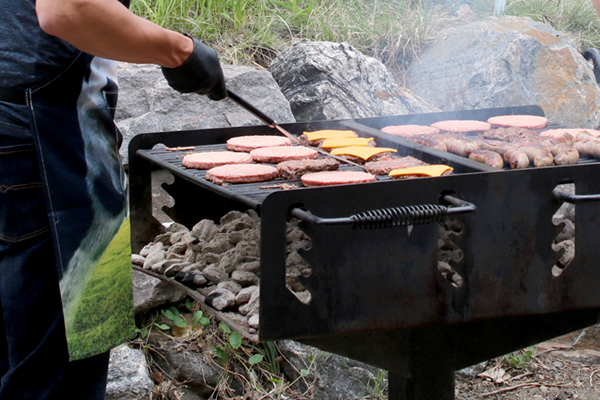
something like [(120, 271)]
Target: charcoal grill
[(377, 295)]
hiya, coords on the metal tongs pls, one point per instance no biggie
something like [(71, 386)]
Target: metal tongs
[(272, 124)]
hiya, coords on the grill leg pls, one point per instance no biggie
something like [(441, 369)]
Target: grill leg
[(435, 383)]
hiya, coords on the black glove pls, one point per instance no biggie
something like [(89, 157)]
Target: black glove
[(201, 73)]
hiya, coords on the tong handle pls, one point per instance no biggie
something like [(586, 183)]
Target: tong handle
[(249, 107), (393, 217), (575, 198)]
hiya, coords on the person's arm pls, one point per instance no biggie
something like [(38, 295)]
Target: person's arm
[(106, 28), (596, 4)]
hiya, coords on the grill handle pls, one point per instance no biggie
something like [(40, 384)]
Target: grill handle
[(575, 198), (393, 217)]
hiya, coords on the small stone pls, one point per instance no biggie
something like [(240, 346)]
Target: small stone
[(246, 294), (199, 279), (211, 258), (205, 230), (178, 248), (137, 259), (220, 299), (232, 286), (232, 216), (230, 260), (219, 245), (254, 321), (161, 267), (176, 227), (244, 278), (252, 306), (175, 268), (178, 237), (194, 267), (154, 258), (214, 274), (304, 296), (252, 266), (237, 318), (164, 238)]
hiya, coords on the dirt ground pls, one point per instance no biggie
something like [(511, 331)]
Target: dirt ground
[(554, 370)]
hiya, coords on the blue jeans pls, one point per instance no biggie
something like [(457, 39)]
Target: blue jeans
[(34, 362)]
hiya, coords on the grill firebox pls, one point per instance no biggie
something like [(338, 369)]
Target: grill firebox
[(377, 294)]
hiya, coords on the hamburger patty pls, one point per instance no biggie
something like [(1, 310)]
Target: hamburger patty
[(213, 159), (241, 173), (251, 142), (294, 169), (336, 178), (282, 153)]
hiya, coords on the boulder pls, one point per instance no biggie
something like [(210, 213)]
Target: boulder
[(128, 377), (147, 103), (331, 376), (330, 81), (508, 61), (150, 292)]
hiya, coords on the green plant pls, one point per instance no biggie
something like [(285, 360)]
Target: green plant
[(521, 359)]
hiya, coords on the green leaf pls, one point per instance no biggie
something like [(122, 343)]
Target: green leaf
[(255, 359), (180, 322), (224, 328), (221, 355), (304, 372), (274, 380), (205, 321), (197, 317), (235, 340), (189, 303), (162, 326)]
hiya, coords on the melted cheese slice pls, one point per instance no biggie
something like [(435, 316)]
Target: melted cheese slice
[(328, 133), (427, 170), (361, 152), (333, 143)]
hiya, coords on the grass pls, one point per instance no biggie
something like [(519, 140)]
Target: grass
[(246, 32), (111, 324)]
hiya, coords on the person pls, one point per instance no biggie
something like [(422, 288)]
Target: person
[(65, 268)]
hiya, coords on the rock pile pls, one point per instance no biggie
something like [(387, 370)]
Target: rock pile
[(222, 262)]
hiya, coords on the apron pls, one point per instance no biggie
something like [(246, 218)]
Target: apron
[(85, 191)]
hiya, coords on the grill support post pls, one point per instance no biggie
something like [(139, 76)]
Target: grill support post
[(433, 383)]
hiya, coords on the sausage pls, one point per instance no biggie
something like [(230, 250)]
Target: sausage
[(588, 148), (460, 147), (566, 155), (563, 138), (515, 158), (487, 157), (429, 142), (540, 157), (583, 136)]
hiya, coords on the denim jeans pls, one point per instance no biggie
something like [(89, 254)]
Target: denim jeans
[(34, 360)]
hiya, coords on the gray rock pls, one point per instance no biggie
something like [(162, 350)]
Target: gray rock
[(175, 268), (251, 308), (329, 81), (191, 366), (232, 286), (128, 377), (246, 294), (230, 260), (138, 259), (244, 278), (332, 377), (253, 266), (154, 258), (205, 230), (218, 245), (220, 299), (161, 266), (150, 292), (214, 274), (508, 61), (472, 371), (199, 280), (254, 321), (148, 104)]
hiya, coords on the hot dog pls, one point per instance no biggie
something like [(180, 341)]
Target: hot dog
[(540, 157), (429, 142), (487, 157), (588, 148), (460, 147), (565, 155), (583, 136), (515, 158)]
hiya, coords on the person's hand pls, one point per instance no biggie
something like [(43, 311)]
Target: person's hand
[(201, 73)]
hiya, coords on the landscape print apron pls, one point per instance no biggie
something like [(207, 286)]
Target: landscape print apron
[(84, 185)]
